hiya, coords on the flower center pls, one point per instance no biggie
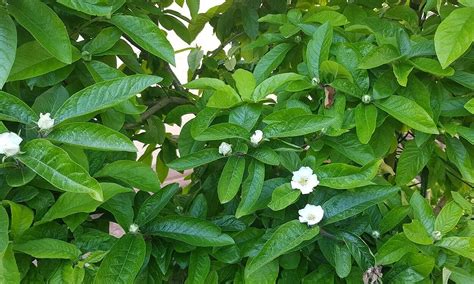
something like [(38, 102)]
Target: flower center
[(304, 181), (311, 217)]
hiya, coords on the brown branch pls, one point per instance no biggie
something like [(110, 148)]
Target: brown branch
[(160, 104)]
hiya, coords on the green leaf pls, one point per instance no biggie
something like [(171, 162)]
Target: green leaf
[(422, 211), (245, 83), (343, 176), (285, 238), (379, 56), (48, 248), (459, 155), (123, 262), (104, 95), (270, 61), (283, 196), (54, 165), (70, 203), (412, 161), (21, 218), (409, 113), (33, 60), (463, 246), (8, 268), (134, 173), (193, 231), (350, 203), (199, 267), (470, 106), (402, 71), (431, 66), (454, 35), (20, 176), (45, 26), (8, 43), (366, 122), (394, 249), (270, 85), (146, 34), (392, 218), (153, 205), (4, 224), (385, 86), (298, 126), (338, 255), (230, 179), (332, 17), (359, 250), (51, 100), (266, 155), (195, 160), (103, 41), (14, 109), (318, 49), (223, 131), (323, 275), (251, 188), (448, 217), (225, 97), (91, 136), (416, 233), (88, 7), (267, 274), (349, 146), (245, 115)]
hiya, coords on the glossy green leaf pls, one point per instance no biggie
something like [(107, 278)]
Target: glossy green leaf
[(332, 17), (123, 262), (21, 218), (350, 203), (134, 173), (285, 238), (470, 106), (8, 43), (199, 267), (8, 268), (223, 131), (193, 231), (245, 115), (14, 109), (297, 126), (359, 250), (318, 49), (379, 56), (70, 203), (412, 161), (431, 66), (338, 255), (54, 165), (48, 248), (416, 233), (103, 95), (283, 196), (457, 154), (153, 205), (270, 61), (392, 218), (394, 249), (87, 7), (463, 246), (4, 225), (149, 37), (454, 35), (45, 26), (408, 112), (422, 211), (195, 160), (270, 85), (448, 217), (366, 120), (91, 136), (251, 188), (343, 176), (230, 179), (245, 83), (103, 41), (349, 146)]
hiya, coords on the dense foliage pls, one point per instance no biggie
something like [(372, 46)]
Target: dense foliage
[(361, 113)]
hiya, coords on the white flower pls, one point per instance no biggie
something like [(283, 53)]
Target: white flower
[(311, 214), (45, 122), (304, 180), (225, 149), (133, 228), (257, 137), (10, 144)]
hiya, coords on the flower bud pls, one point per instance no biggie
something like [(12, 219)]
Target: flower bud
[(225, 149), (133, 228), (436, 235), (366, 99), (375, 234), (86, 56), (315, 81), (256, 138)]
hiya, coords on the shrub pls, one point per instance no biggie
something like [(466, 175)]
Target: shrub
[(331, 143)]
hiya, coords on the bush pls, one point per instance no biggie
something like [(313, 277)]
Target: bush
[(332, 143)]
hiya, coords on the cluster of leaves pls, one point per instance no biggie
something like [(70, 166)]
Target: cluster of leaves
[(375, 96)]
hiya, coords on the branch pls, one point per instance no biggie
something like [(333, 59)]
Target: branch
[(160, 104)]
